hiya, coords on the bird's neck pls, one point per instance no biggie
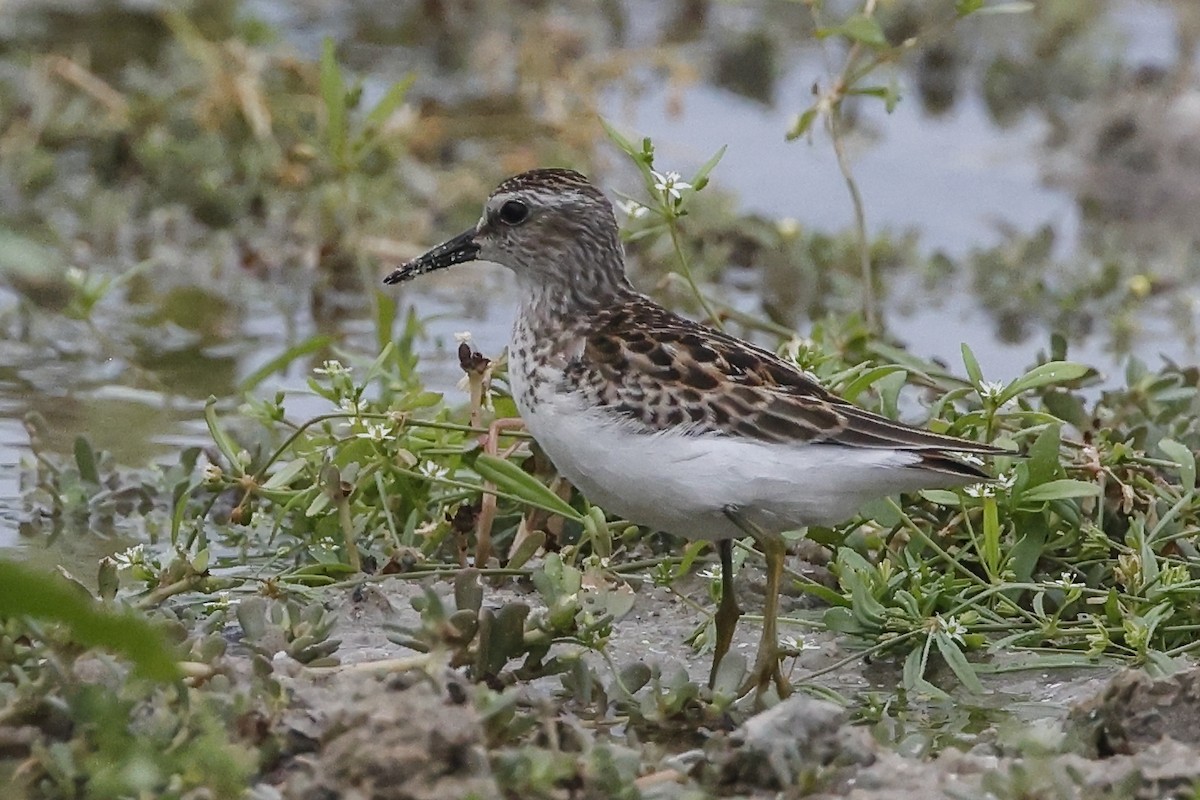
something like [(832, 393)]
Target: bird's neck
[(549, 302)]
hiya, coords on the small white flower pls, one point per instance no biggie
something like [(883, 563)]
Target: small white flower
[(1067, 581), (980, 490), (432, 469), (991, 390), (633, 209), (332, 368), (971, 459), (351, 405), (212, 473), (129, 557), (1004, 481), (670, 184), (712, 572), (76, 276), (791, 643), (377, 433), (462, 337), (953, 628)]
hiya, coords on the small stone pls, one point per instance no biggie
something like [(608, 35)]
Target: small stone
[(794, 737), (1135, 711)]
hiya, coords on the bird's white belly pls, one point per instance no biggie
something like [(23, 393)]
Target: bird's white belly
[(682, 483)]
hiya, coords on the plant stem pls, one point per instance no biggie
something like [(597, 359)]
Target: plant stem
[(860, 216), (685, 269)]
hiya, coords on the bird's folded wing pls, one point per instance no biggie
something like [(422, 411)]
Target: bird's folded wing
[(648, 365)]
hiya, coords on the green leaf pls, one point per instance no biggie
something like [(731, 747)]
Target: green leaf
[(223, 442), (858, 28), (866, 609), (824, 594), (868, 379), (882, 92), (925, 370), (1062, 489), (390, 101), (958, 663), (180, 510), (912, 676), (803, 123), (972, 365), (283, 478), (330, 569), (730, 675), (942, 497), (199, 562), (620, 141), (529, 545), (281, 362), (333, 93), (965, 7), (1184, 457), (319, 503), (1035, 661), (1163, 663), (28, 592), (596, 530), (519, 483), (1015, 7), (1044, 375), (690, 553), (1024, 556), (1043, 463), (1066, 406), (841, 620), (1150, 569), (991, 556), (85, 459), (385, 318), (376, 368), (700, 179)]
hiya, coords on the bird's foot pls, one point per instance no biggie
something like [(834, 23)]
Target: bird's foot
[(766, 673)]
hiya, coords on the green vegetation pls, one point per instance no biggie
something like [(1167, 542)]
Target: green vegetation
[(170, 667)]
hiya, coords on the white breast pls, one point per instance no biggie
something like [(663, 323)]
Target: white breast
[(680, 483)]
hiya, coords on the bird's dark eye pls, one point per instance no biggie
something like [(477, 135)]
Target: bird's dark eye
[(514, 212)]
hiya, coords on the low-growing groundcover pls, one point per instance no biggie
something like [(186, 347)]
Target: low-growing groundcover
[(1081, 552)]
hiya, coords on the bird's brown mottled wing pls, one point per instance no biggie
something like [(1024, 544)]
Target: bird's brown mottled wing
[(650, 365)]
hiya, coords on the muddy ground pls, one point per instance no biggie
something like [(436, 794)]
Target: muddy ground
[(358, 731)]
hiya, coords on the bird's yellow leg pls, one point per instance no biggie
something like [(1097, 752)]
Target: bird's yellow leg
[(766, 664)]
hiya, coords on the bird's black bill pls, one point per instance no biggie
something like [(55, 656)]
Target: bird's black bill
[(459, 249)]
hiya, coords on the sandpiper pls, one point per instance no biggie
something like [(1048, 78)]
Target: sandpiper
[(671, 424)]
